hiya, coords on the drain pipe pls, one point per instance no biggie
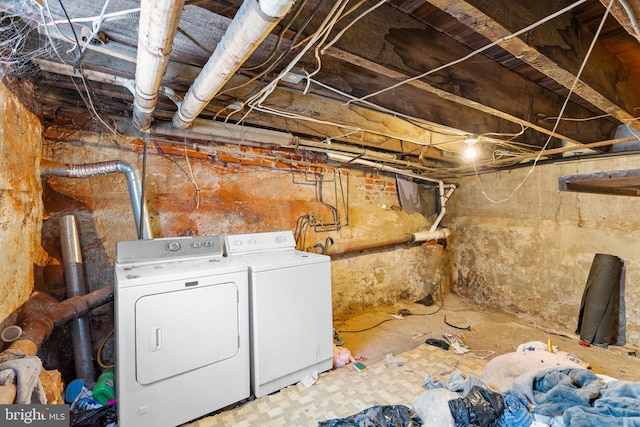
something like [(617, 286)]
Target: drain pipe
[(74, 278), (363, 245), (139, 206), (158, 25), (251, 25)]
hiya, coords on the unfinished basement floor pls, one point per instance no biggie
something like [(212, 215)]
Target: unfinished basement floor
[(344, 392)]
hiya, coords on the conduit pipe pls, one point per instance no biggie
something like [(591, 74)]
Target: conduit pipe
[(158, 25), (75, 286), (259, 137), (251, 25), (139, 206)]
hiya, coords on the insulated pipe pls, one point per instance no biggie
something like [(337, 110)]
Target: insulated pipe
[(74, 278), (158, 25), (251, 25), (140, 211)]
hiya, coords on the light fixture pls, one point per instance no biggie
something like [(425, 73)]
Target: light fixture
[(471, 152)]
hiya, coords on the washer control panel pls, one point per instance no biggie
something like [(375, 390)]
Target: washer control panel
[(236, 244), (170, 248)]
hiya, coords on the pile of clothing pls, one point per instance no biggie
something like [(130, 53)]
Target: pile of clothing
[(527, 388)]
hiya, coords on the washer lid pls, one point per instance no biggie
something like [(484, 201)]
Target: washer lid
[(264, 261)]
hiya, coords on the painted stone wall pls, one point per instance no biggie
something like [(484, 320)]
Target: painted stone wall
[(531, 252), (197, 191), (20, 198)]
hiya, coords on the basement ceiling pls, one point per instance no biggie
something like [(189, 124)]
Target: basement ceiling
[(410, 84)]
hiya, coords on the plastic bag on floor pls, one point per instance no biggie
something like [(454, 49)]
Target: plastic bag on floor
[(433, 408), (378, 416), (104, 416), (481, 407)]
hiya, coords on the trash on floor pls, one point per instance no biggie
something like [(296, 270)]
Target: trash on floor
[(341, 357), (378, 416), (390, 359)]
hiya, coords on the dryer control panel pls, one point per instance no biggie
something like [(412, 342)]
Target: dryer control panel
[(168, 249)]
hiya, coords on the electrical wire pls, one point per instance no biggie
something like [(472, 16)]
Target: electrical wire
[(99, 355), (88, 100), (475, 52), (192, 177), (559, 117), (409, 314), (95, 29), (324, 28), (369, 328), (585, 119), (285, 28), (356, 19), (143, 182), (280, 57), (396, 114)]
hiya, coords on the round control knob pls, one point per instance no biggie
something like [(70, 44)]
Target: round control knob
[(174, 246), (281, 239)]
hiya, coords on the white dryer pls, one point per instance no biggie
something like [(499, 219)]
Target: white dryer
[(182, 335), (291, 320)]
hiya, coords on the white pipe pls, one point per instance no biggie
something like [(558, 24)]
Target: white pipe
[(425, 236), (632, 17), (158, 25), (443, 202), (251, 25)]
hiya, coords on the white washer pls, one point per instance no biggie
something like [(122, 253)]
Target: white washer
[(182, 334), (290, 316)]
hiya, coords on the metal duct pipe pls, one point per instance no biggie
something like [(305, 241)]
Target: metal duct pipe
[(74, 278), (158, 25), (140, 211), (251, 25)]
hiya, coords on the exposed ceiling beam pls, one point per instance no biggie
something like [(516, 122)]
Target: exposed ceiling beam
[(557, 49), (402, 48)]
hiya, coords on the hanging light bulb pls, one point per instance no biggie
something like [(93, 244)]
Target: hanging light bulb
[(471, 152)]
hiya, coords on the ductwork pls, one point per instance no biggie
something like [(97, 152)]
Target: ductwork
[(139, 206), (75, 285), (158, 25), (253, 22)]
